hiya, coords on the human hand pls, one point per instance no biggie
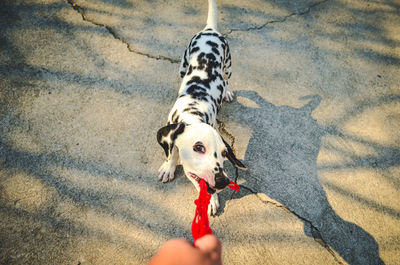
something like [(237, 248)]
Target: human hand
[(207, 250)]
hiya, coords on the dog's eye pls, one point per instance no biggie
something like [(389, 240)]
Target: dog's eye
[(224, 153), (199, 147)]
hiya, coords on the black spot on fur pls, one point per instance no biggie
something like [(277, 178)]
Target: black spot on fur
[(176, 120), (228, 58), (200, 96), (213, 108), (164, 145), (197, 80), (195, 89), (214, 101), (194, 49), (210, 34), (201, 60), (197, 113), (211, 57), (220, 99), (220, 88), (189, 109), (179, 131), (207, 118), (185, 62), (164, 131), (215, 155), (173, 117), (212, 44), (215, 50), (175, 134), (190, 70)]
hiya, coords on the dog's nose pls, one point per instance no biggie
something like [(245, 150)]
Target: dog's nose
[(220, 180)]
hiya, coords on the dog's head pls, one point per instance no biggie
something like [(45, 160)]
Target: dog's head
[(202, 152)]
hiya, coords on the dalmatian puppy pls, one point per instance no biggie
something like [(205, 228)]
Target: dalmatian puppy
[(190, 137)]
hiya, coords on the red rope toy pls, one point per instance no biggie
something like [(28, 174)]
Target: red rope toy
[(200, 224)]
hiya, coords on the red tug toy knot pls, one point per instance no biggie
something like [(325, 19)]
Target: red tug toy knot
[(200, 224)]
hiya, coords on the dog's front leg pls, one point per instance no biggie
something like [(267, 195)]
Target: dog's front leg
[(214, 204), (167, 170)]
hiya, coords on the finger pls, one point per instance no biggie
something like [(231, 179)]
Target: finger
[(175, 251)]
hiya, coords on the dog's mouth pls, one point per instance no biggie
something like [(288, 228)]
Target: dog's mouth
[(194, 176), (210, 189)]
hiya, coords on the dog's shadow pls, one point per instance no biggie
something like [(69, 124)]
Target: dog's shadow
[(282, 163)]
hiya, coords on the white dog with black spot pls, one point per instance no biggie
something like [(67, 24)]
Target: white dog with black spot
[(190, 137)]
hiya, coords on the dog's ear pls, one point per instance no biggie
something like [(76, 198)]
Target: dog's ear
[(231, 156), (167, 135)]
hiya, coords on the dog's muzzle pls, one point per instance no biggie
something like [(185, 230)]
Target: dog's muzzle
[(220, 181)]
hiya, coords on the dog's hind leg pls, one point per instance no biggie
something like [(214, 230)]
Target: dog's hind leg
[(184, 63), (228, 93)]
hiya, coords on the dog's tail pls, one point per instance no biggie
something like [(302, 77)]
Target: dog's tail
[(212, 15)]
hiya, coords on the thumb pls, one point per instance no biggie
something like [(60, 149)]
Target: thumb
[(212, 247)]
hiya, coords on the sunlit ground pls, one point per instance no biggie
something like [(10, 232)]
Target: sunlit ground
[(79, 115)]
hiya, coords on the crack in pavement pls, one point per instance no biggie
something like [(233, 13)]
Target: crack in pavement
[(81, 11), (306, 11), (314, 230)]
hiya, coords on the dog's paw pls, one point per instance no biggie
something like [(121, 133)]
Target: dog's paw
[(214, 205), (228, 94), (166, 172)]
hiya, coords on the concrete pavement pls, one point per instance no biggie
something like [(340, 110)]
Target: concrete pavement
[(85, 85)]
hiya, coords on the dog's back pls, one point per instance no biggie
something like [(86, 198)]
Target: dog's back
[(205, 69)]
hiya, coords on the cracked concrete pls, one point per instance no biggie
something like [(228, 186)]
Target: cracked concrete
[(86, 84), (314, 230), (81, 11), (281, 20)]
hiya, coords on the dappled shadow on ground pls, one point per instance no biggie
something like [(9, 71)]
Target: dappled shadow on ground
[(282, 161), (364, 30), (57, 200), (57, 206), (60, 203)]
